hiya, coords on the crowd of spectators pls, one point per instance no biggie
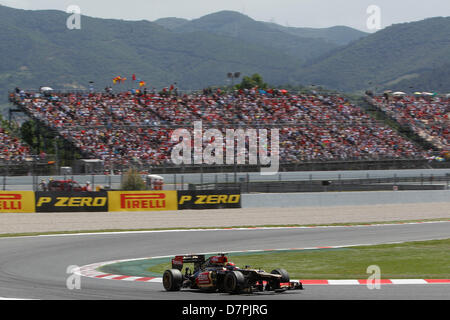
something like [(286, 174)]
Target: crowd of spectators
[(125, 127), (12, 149), (428, 116)]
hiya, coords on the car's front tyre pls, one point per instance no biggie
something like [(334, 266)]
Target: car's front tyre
[(284, 275), (234, 282)]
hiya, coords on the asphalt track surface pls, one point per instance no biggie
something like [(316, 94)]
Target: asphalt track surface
[(35, 267)]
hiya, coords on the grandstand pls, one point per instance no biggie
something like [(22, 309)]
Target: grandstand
[(134, 128), (426, 115), (12, 149)]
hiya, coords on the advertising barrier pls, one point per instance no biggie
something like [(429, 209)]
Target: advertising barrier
[(209, 199), (17, 201), (103, 201), (60, 201), (142, 200)]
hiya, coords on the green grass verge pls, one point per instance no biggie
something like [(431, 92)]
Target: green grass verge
[(409, 260), (30, 234)]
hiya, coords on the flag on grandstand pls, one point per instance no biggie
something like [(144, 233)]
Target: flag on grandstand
[(142, 83), (119, 79), (134, 77)]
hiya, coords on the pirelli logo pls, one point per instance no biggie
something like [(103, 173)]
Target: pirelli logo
[(10, 201), (142, 200), (19, 201)]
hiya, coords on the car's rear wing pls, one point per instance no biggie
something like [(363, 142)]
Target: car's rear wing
[(197, 260)]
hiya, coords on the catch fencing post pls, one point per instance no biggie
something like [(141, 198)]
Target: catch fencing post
[(248, 183)]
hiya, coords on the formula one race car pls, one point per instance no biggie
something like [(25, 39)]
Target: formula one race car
[(218, 274)]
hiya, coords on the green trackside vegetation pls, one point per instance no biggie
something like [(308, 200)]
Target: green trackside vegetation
[(409, 260)]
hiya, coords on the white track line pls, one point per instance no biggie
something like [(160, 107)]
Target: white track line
[(226, 229)]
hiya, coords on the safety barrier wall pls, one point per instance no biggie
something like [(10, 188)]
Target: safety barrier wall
[(103, 201), (324, 199), (29, 201)]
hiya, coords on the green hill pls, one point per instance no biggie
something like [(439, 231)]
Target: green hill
[(171, 23), (429, 80), (339, 35), (37, 49), (239, 26), (398, 53)]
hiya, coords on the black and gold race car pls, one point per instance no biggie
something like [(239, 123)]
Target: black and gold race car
[(216, 273)]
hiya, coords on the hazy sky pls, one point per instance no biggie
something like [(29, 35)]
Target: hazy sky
[(295, 13)]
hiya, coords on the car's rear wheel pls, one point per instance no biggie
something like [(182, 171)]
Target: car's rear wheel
[(172, 280), (234, 282)]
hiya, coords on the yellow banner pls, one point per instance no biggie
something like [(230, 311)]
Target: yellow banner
[(17, 201), (142, 200)]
